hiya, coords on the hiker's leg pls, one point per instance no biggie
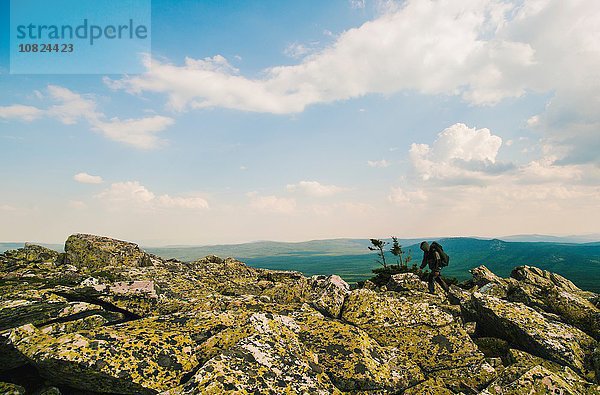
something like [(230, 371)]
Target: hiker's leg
[(442, 283), (431, 283)]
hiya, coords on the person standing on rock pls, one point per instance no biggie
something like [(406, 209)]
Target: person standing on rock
[(436, 258)]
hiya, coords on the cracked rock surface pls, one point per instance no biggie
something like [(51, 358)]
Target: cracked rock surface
[(107, 317)]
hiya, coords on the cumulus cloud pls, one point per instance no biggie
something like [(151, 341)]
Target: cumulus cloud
[(459, 180), (71, 107), (132, 193), (459, 152), (314, 188), (86, 178), (272, 203)]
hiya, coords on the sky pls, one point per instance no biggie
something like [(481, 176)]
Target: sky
[(300, 120)]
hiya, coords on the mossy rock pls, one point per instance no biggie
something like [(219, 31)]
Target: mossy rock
[(525, 327), (139, 357), (90, 252), (424, 333), (271, 361), (492, 347), (352, 359)]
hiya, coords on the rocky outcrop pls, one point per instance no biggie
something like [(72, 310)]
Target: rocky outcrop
[(424, 334), (96, 252), (523, 326), (328, 294), (406, 282), (107, 317)]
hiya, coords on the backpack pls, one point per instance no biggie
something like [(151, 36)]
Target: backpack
[(445, 259)]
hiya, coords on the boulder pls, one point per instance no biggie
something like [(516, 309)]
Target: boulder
[(483, 276), (429, 387), (406, 282), (549, 292), (542, 278), (492, 347), (352, 359), (11, 389), (328, 294), (138, 357), (96, 253), (518, 375), (537, 380), (424, 333), (270, 361), (525, 327)]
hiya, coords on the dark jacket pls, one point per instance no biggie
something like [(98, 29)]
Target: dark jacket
[(433, 259)]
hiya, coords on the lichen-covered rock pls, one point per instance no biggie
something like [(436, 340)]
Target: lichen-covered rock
[(352, 359), (523, 326), (575, 310), (429, 387), (10, 358), (329, 293), (492, 346), (36, 307), (551, 293), (518, 375), (11, 389), (483, 276), (424, 333), (406, 282), (97, 252), (537, 380), (139, 357), (271, 361), (542, 278)]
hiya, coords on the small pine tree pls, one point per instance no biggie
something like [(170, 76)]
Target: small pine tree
[(378, 246), (396, 250)]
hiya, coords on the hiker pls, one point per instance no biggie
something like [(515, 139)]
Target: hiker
[(436, 258)]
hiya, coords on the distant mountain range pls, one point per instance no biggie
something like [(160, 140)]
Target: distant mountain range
[(351, 259)]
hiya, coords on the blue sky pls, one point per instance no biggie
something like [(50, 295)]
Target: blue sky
[(303, 120)]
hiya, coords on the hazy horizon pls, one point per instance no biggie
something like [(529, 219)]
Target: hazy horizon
[(580, 238)]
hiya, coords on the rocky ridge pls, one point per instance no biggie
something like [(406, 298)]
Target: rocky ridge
[(107, 317)]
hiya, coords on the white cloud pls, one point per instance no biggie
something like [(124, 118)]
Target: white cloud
[(299, 50), (378, 163), (134, 194), (86, 178), (7, 207), (483, 51), (72, 107), (357, 4), (182, 202), (452, 191), (140, 133), (431, 47), (26, 113), (272, 203), (459, 152), (314, 188)]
